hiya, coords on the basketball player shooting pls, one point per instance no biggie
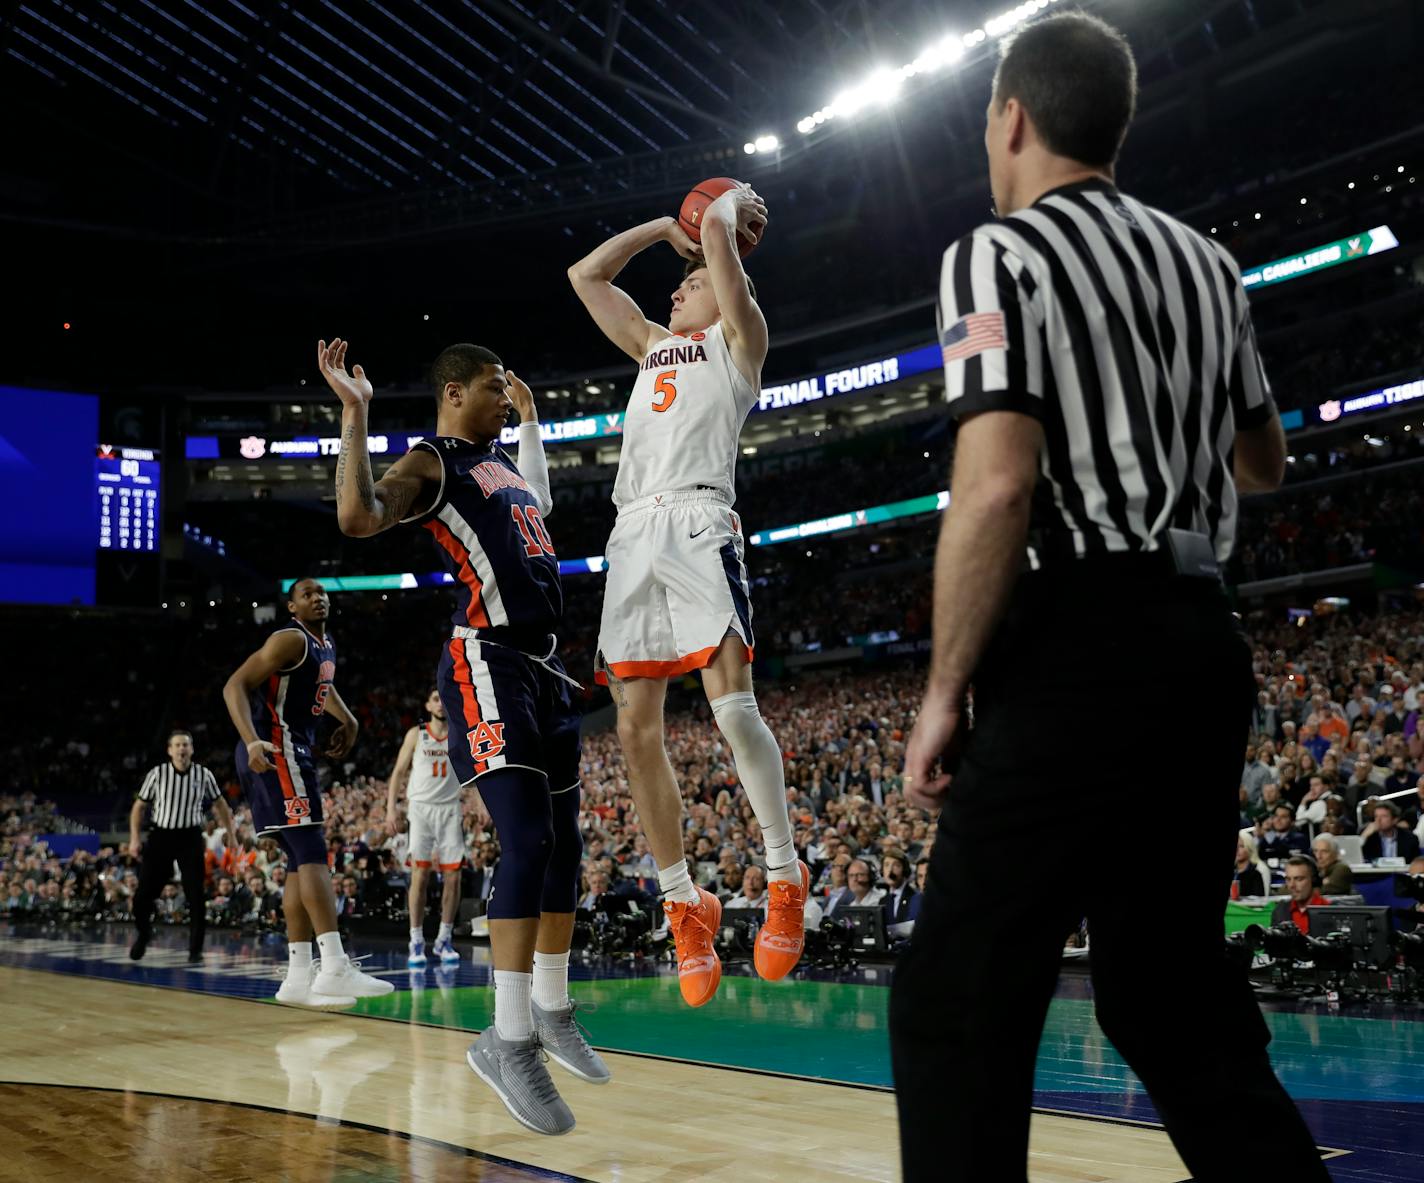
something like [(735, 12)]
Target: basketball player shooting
[(422, 769), (676, 597), (503, 688)]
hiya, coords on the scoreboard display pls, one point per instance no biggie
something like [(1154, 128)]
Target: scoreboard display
[(126, 482)]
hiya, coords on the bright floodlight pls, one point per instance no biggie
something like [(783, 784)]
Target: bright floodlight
[(749, 148), (767, 143)]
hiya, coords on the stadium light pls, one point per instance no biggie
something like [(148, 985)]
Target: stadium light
[(763, 143), (884, 85)]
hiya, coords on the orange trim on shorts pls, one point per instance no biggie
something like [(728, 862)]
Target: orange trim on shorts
[(423, 863), (284, 774), (623, 670), (465, 680), (450, 866)]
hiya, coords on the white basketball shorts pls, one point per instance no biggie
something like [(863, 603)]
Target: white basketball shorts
[(436, 835), (676, 583)]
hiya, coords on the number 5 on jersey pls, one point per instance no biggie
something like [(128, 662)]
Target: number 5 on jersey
[(667, 392)]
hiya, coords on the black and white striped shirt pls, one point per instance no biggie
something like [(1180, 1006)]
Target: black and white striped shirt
[(179, 799), (1127, 334)]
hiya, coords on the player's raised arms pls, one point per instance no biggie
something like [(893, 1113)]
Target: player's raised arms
[(365, 506), (613, 309)]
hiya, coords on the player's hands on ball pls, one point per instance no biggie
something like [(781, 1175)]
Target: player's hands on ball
[(933, 747), (342, 741), (678, 238), (353, 389), (257, 755), (745, 208), (521, 396)]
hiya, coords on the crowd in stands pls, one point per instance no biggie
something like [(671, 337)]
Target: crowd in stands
[(1376, 518), (1335, 749)]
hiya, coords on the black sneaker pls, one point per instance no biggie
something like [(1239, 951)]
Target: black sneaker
[(138, 948), (195, 957)]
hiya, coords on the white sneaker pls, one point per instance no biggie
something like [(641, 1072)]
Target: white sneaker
[(346, 978), (296, 990)]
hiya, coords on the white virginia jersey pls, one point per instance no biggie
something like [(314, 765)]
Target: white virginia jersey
[(431, 780), (684, 418)]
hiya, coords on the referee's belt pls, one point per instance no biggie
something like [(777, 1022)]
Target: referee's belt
[(533, 644), (1180, 554)]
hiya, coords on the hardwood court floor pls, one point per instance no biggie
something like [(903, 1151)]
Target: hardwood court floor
[(175, 1085)]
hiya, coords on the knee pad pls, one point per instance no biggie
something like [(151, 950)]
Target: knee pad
[(738, 717), (518, 803), (303, 844), (561, 875)]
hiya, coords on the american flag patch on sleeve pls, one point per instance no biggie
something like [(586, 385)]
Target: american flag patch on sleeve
[(973, 334)]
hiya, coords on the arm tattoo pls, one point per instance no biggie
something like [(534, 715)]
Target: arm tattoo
[(365, 490), (396, 501), (341, 459)]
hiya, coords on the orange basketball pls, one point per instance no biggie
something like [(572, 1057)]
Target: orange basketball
[(695, 204)]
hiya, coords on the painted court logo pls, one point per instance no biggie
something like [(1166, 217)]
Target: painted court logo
[(486, 741)]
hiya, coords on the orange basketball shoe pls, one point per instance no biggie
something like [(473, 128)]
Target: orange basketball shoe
[(699, 970), (780, 940)]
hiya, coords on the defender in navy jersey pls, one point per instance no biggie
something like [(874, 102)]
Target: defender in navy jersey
[(513, 724), (275, 699)]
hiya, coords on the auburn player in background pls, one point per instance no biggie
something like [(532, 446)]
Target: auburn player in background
[(677, 597), (505, 692), (275, 699), (437, 836)]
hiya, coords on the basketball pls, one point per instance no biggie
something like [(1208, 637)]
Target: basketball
[(695, 204)]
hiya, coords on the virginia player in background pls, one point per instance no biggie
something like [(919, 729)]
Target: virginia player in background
[(676, 597), (423, 769), (505, 693), (275, 699)]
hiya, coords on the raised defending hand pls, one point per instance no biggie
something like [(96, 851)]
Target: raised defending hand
[(353, 389), (521, 396)]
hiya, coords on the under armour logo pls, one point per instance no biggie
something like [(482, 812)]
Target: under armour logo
[(451, 443)]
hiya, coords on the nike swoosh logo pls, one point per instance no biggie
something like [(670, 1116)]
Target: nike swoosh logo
[(700, 532)]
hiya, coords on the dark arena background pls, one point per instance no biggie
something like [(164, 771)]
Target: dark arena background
[(193, 194)]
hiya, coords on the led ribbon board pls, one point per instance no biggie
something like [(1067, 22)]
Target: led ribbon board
[(1332, 254)]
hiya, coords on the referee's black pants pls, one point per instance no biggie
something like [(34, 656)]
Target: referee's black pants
[(159, 853), (1111, 713)]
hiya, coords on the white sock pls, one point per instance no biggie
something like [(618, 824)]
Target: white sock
[(551, 980), (447, 931), (512, 1017), (763, 776), (299, 954), (417, 934), (331, 951), (676, 884)]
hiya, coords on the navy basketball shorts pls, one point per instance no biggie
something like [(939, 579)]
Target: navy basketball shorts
[(507, 711), (284, 797)]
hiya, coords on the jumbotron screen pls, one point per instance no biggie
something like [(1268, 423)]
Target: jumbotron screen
[(48, 525)]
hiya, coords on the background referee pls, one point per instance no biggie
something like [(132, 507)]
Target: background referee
[(179, 792), (1101, 367)]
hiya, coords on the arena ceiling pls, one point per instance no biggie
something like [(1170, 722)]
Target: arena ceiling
[(167, 166)]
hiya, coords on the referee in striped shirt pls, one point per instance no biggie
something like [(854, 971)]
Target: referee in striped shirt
[(179, 793), (1102, 374)]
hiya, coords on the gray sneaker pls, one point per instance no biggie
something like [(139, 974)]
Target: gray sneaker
[(567, 1044), (516, 1070)]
